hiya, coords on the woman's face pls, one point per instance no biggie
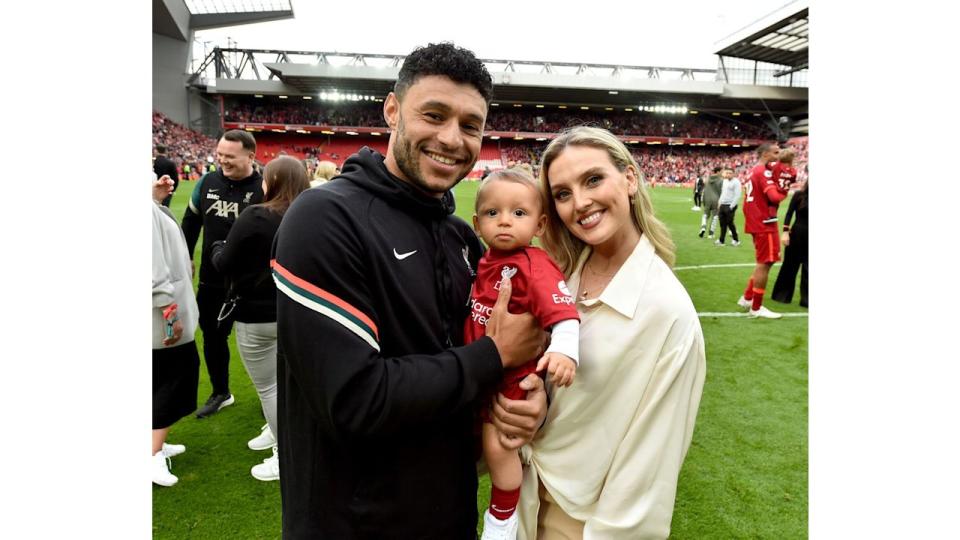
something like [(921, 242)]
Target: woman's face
[(263, 185), (591, 196)]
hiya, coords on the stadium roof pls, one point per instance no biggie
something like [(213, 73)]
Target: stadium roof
[(309, 73), (177, 18), (782, 38)]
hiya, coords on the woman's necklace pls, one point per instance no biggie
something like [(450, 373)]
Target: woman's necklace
[(604, 280)]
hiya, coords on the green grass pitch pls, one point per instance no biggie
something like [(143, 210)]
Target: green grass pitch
[(745, 475)]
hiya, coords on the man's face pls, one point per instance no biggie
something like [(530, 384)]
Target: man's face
[(771, 154), (727, 174), (236, 162), (437, 132)]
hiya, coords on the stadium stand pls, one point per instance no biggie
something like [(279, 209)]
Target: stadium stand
[(532, 120)]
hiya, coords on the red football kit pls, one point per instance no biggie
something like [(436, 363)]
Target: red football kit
[(538, 287), (761, 195)]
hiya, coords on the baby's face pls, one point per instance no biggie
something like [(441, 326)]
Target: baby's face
[(509, 216)]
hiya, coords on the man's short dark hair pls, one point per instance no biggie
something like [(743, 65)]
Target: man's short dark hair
[(446, 59), (242, 137), (716, 170), (161, 149)]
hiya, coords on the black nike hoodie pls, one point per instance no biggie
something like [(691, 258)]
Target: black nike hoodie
[(376, 389)]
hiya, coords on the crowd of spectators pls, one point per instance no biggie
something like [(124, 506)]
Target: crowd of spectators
[(669, 164), (660, 164), (532, 120), (629, 123), (309, 114), (190, 150)]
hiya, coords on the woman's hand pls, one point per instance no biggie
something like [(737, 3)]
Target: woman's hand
[(177, 334), (785, 238)]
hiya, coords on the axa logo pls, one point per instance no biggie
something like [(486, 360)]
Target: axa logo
[(505, 273), (225, 209)]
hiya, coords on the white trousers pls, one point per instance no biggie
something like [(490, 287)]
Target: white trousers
[(257, 343)]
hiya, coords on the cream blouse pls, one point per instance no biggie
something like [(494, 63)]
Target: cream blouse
[(611, 448)]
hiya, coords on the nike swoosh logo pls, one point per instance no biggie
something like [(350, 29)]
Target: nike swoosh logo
[(402, 256)]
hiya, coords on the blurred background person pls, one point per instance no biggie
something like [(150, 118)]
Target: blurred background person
[(711, 198), (216, 202), (326, 170), (162, 165), (729, 197), (796, 255), (244, 259), (176, 364)]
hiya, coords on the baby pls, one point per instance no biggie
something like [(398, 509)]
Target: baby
[(509, 213)]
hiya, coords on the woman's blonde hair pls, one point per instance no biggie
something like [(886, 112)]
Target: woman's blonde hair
[(557, 239), (325, 170)]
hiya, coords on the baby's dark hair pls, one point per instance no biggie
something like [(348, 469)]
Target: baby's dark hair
[(517, 176), (446, 59)]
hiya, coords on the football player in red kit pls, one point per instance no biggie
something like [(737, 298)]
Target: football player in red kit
[(761, 193)]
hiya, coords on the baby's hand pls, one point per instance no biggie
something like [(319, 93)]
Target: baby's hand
[(562, 368)]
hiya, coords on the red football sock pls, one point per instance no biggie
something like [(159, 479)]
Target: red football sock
[(748, 293), (503, 503), (757, 298)]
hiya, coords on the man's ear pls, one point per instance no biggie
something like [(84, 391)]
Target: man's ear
[(391, 110)]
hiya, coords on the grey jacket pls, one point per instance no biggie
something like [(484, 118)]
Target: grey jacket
[(172, 281)]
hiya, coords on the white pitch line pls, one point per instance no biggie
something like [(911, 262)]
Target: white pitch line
[(732, 265), (744, 314)]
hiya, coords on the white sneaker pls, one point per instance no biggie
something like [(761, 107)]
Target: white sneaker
[(764, 313), (696, 208), (735, 243), (161, 470), (171, 450), (269, 469), (264, 440), (717, 242), (495, 529), (744, 303)]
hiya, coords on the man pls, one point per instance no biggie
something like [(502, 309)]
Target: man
[(163, 165), (217, 200), (697, 193), (377, 393), (729, 196), (762, 192), (711, 198)]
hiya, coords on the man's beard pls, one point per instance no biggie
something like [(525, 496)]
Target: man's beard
[(406, 158)]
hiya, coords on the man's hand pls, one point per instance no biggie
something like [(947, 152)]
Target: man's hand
[(517, 420), (562, 368), (785, 238), (162, 187), (518, 337)]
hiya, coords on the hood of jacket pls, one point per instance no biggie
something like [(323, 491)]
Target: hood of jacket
[(366, 168)]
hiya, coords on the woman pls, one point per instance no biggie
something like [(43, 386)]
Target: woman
[(325, 171), (176, 364), (244, 257), (606, 462), (796, 256)]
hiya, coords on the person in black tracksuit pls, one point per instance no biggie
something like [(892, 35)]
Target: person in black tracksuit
[(796, 256), (378, 395), (163, 165), (217, 200)]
